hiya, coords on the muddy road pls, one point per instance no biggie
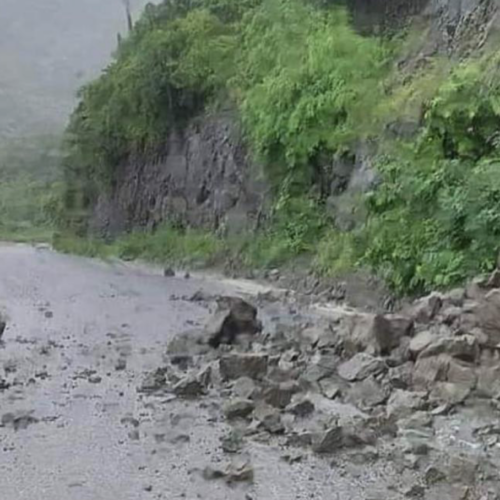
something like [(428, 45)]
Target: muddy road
[(81, 338)]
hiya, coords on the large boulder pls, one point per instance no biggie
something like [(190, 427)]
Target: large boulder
[(361, 366), (236, 365), (484, 314), (430, 370), (389, 329), (372, 333), (233, 318)]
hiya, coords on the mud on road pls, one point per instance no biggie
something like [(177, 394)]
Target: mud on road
[(83, 415)]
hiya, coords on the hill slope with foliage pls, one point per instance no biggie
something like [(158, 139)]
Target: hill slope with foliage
[(306, 85)]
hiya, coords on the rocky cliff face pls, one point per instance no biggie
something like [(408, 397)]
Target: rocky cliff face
[(202, 177)]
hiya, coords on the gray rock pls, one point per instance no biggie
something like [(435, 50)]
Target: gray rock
[(485, 315), (240, 470), (245, 388), (238, 408), (462, 373), (301, 407), (420, 342), (426, 309), (3, 325), (414, 491), (168, 272), (154, 381), (329, 388), (488, 383), (462, 469), (236, 365), (269, 418), (434, 475), (367, 394), (232, 442), (454, 297), (417, 421), (18, 420), (430, 370), (463, 347), (329, 441), (389, 329), (447, 392), (450, 315), (494, 279), (280, 395), (361, 366), (403, 403), (235, 317), (189, 387), (401, 377)]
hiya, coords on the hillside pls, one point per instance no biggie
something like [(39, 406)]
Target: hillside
[(376, 134)]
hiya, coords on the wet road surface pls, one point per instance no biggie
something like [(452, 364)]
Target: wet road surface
[(80, 338)]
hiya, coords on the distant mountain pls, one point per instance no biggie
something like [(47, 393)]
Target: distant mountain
[(48, 49)]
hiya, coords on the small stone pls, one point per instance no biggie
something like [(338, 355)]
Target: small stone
[(269, 418), (400, 377), (329, 441), (420, 342), (211, 474), (301, 407), (329, 388), (189, 387), (245, 388), (121, 364), (292, 456), (3, 325), (415, 491), (239, 471), (238, 408), (95, 379), (433, 475), (232, 442), (361, 366), (280, 395), (168, 272)]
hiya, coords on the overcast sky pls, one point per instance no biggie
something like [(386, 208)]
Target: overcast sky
[(48, 48)]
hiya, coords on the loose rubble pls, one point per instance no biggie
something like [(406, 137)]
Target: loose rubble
[(362, 386)]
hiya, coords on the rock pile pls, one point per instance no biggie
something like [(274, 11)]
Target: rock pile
[(370, 383)]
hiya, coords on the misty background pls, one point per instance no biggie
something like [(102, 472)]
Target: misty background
[(48, 49)]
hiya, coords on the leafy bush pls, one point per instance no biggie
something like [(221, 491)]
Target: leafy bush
[(306, 83), (434, 219)]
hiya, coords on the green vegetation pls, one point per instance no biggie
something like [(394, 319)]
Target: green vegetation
[(307, 88)]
